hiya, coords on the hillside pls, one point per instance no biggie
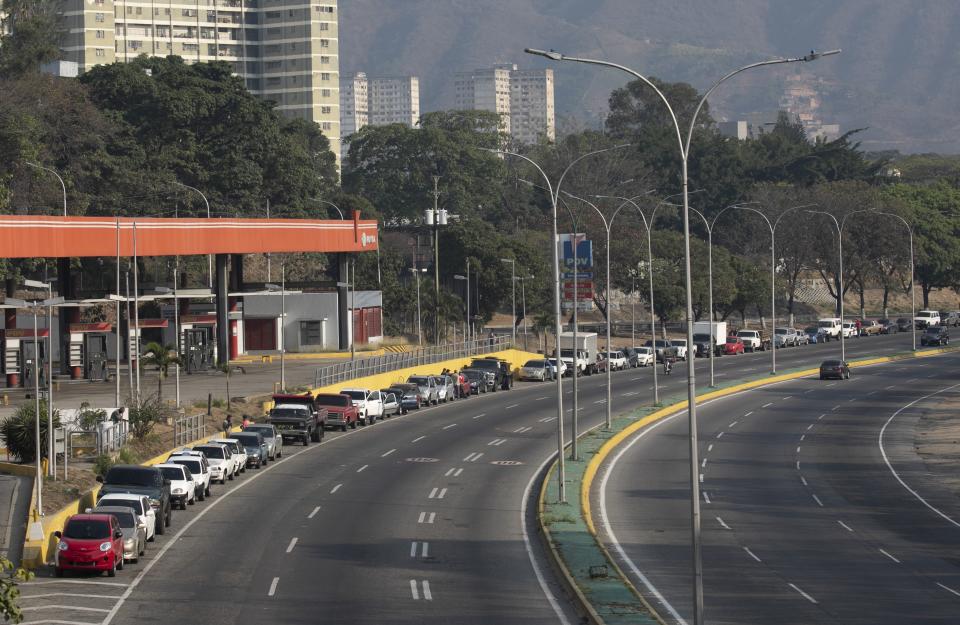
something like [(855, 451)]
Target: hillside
[(898, 74)]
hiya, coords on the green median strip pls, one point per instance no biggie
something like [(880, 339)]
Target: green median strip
[(603, 592)]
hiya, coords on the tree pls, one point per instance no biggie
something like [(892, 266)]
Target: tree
[(144, 416), (161, 357), (19, 432), (9, 593), (32, 37)]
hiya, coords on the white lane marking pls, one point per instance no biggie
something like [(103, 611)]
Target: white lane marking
[(335, 488), (427, 595), (62, 607), (314, 513), (86, 582), (720, 435), (804, 480), (701, 478), (469, 457), (803, 437), (748, 414), (413, 549), (835, 408), (425, 550), (852, 399), (511, 406), (734, 424), (803, 594), (361, 469), (447, 427), (433, 493), (475, 456), (430, 518), (821, 417), (481, 415), (809, 427), (457, 472), (788, 397), (809, 390), (387, 453), (449, 472), (417, 439), (497, 442), (845, 526), (422, 516), (427, 519), (414, 590), (798, 465), (896, 475), (78, 595), (706, 497), (817, 499), (630, 394), (798, 450), (891, 387), (767, 405), (442, 493), (889, 556), (912, 380), (871, 393), (751, 554), (831, 384), (635, 379), (950, 590), (293, 543), (722, 523), (709, 447), (541, 398), (273, 587), (600, 401)]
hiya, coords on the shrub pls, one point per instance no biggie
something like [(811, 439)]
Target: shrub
[(127, 456), (90, 417), (19, 432), (145, 416), (102, 464)]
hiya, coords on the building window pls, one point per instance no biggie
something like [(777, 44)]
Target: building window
[(324, 43), (326, 110), (324, 26), (324, 76), (100, 52), (100, 34), (325, 93), (99, 17), (326, 126), (324, 59)]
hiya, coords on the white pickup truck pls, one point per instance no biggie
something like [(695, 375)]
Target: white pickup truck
[(617, 360), (926, 318), (752, 341), (369, 404)]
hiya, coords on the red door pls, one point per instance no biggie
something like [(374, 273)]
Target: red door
[(260, 334)]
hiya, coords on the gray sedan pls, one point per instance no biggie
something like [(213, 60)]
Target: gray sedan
[(270, 436), (134, 533)]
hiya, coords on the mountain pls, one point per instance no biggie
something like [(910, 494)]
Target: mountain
[(898, 76)]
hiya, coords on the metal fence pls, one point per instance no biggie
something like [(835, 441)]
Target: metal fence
[(188, 428), (360, 367)]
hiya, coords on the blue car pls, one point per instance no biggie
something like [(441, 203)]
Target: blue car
[(814, 333), (254, 446)]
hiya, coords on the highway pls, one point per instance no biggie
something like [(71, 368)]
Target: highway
[(418, 517), (803, 519)]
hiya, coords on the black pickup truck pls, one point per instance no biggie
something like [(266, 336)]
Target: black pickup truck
[(138, 480), (503, 377), (298, 418)]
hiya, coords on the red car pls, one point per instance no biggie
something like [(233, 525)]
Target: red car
[(90, 542), (733, 346)]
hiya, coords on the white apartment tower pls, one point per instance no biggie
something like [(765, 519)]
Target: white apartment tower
[(523, 98), (354, 104), (287, 52)]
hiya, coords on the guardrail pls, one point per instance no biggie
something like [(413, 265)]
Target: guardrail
[(188, 428), (340, 372)]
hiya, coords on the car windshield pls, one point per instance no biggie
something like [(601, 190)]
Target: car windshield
[(826, 324), (701, 337), (360, 395), (812, 330), (732, 340), (126, 519), (193, 465), (133, 476), (333, 400), (830, 363), (86, 529), (926, 314), (211, 451), (747, 333), (287, 412), (680, 342), (535, 363), (247, 440), (933, 330), (173, 473), (781, 330), (133, 504), (419, 380), (266, 430)]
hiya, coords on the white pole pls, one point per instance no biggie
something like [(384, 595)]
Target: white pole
[(283, 325), (136, 311), (36, 390), (130, 355), (51, 454), (116, 397), (176, 328)]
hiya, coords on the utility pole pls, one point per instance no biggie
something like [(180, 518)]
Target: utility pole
[(436, 258)]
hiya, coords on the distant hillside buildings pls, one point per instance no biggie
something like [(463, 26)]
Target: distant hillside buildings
[(523, 98), (800, 100), (378, 102)]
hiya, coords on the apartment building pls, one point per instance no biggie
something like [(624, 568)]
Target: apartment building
[(378, 102), (523, 98), (285, 51)]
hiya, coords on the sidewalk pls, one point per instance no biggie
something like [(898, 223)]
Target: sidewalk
[(259, 379), (15, 492)]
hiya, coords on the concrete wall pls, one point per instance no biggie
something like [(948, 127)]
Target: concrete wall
[(299, 307)]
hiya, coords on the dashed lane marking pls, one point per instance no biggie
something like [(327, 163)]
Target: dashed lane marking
[(889, 556), (722, 523), (748, 414), (511, 406), (541, 398), (361, 469), (948, 589), (387, 453), (335, 488), (706, 497), (817, 499), (273, 587), (803, 480), (452, 425), (427, 518), (767, 405), (314, 513), (293, 543), (751, 554), (481, 415), (418, 439), (734, 424), (803, 594), (496, 442), (845, 526), (473, 457)]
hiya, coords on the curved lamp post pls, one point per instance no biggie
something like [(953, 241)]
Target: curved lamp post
[(684, 146), (63, 186), (205, 201), (554, 192), (913, 301), (773, 277)]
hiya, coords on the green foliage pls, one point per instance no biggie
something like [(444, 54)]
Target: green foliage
[(127, 456), (32, 37), (88, 418), (19, 432), (145, 416), (102, 464), (162, 357), (9, 592)]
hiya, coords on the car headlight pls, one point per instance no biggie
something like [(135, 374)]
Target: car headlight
[(178, 491), (63, 546), (105, 546), (154, 503)]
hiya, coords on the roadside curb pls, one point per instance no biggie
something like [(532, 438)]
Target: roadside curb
[(569, 530)]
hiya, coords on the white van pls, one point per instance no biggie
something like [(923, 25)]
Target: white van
[(926, 318), (830, 327)]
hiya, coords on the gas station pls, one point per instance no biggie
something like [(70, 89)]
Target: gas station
[(206, 337)]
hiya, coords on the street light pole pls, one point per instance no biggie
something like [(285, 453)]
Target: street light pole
[(554, 194), (513, 290), (62, 185), (329, 203), (283, 326), (913, 301), (209, 256), (691, 375)]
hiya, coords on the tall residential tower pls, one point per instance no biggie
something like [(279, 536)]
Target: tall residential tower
[(523, 98)]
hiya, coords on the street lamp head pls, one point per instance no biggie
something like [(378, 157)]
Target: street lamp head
[(36, 284), (507, 260), (553, 55), (459, 277), (814, 55)]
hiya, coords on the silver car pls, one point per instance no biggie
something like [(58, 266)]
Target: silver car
[(429, 393), (134, 531), (270, 436), (446, 389), (538, 370)]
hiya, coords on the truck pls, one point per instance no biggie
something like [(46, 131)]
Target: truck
[(585, 351), (341, 413), (754, 340), (500, 370), (707, 335), (298, 418), (829, 328)]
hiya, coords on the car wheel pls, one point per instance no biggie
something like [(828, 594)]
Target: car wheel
[(343, 428), (119, 563), (207, 493), (190, 501), (113, 569), (223, 480), (58, 572), (201, 495), (183, 504), (158, 530), (143, 549)]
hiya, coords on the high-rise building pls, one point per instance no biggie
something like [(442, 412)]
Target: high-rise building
[(378, 102), (286, 52), (523, 98), (395, 100), (354, 104)]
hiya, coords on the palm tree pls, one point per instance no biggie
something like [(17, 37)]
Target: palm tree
[(162, 357)]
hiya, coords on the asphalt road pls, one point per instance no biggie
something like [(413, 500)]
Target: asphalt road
[(419, 517), (803, 520)]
